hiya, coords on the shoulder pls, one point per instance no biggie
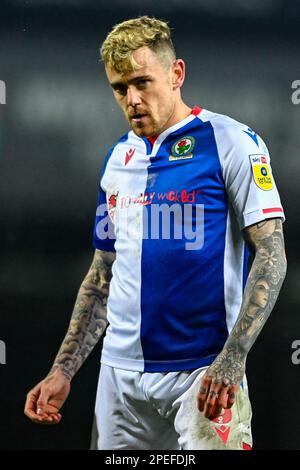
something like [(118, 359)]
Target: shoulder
[(119, 142), (120, 151), (130, 139), (226, 125), (232, 134)]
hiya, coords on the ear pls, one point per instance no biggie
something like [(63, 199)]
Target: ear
[(178, 73)]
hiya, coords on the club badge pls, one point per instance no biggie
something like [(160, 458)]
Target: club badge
[(183, 148)]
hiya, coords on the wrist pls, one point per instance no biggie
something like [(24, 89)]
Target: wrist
[(236, 347), (59, 370)]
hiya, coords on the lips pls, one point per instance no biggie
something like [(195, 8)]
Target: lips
[(137, 116)]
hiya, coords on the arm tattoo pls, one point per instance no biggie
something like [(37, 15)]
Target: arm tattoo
[(264, 282), (88, 321)]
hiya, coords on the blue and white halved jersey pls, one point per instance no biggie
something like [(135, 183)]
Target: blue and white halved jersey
[(173, 212)]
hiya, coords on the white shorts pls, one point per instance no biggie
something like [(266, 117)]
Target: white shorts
[(158, 411)]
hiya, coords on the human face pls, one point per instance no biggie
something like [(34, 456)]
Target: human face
[(261, 293), (148, 96)]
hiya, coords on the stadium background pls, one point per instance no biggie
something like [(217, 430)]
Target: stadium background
[(57, 124)]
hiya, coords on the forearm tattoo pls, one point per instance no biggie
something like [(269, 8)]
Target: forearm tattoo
[(264, 282), (89, 317)]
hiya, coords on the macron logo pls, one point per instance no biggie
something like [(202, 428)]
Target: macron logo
[(129, 155), (252, 135)]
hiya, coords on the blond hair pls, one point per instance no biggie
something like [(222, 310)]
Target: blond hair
[(128, 36)]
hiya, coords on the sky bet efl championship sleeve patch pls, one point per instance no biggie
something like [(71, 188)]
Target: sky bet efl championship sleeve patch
[(261, 172)]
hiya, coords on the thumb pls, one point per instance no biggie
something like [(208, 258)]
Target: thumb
[(43, 400)]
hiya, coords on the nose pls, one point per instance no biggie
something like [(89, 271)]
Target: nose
[(133, 97)]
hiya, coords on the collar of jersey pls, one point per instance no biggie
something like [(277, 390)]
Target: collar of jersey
[(169, 131)]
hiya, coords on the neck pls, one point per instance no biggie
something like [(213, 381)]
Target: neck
[(180, 112)]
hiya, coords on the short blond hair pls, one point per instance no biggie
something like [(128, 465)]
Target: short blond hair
[(128, 36)]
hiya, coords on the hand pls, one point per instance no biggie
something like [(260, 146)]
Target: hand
[(46, 398), (220, 384)]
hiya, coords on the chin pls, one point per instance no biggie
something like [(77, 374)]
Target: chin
[(142, 132), (138, 132)]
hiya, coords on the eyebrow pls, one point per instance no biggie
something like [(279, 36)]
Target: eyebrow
[(132, 80)]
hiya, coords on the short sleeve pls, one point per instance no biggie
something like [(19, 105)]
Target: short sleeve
[(248, 176), (103, 234)]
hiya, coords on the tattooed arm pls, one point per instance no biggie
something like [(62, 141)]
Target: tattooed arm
[(88, 323), (222, 379)]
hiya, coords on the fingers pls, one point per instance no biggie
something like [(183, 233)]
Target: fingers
[(47, 414), (215, 396), (223, 395), (232, 393), (203, 392), (208, 398), (43, 418), (39, 416), (31, 399), (212, 408), (38, 410), (47, 418)]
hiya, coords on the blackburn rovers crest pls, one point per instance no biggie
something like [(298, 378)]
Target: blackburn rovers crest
[(183, 148)]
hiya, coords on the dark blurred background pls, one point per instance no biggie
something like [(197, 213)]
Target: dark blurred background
[(55, 128)]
